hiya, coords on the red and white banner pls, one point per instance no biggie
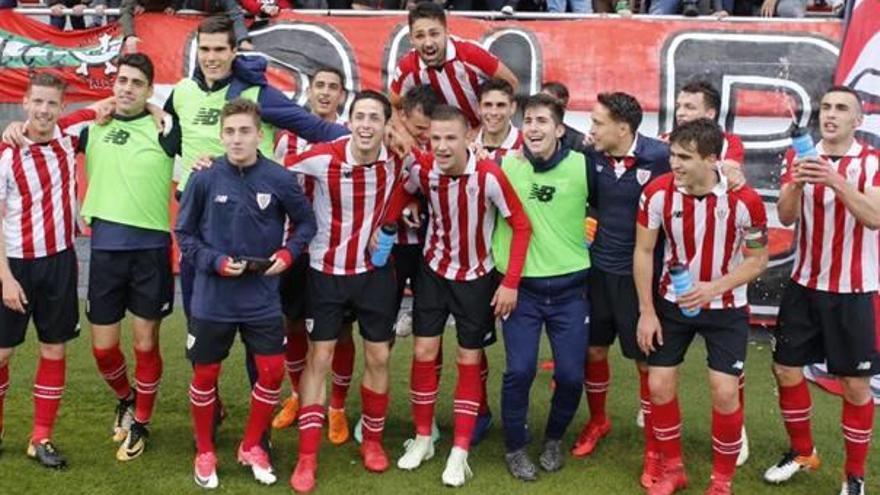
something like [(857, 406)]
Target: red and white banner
[(769, 72)]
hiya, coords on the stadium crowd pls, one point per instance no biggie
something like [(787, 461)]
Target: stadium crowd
[(591, 238)]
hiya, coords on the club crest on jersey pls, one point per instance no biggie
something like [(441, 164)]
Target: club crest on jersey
[(600, 168), (721, 214), (263, 200), (852, 172), (642, 176)]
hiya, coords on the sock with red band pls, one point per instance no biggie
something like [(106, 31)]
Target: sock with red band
[(343, 365), (264, 397), (857, 423), (596, 380), (48, 389), (111, 364), (797, 407), (203, 400), (726, 442), (667, 430), (147, 375), (467, 404), (423, 395)]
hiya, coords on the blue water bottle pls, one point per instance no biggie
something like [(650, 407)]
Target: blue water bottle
[(387, 236), (682, 282), (803, 144)]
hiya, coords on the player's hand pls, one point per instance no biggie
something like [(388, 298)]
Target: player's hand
[(721, 14), (701, 295), (588, 140), (399, 140), (99, 9), (167, 11), (649, 331), (504, 301), (78, 9), (203, 162), (734, 175), (104, 110), (246, 46), (411, 215), (131, 44), (139, 9), (163, 120), (819, 171), (14, 133), (232, 268), (270, 10), (768, 8), (478, 151), (57, 9), (277, 267), (14, 297)]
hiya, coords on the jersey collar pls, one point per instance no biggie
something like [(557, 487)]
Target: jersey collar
[(854, 150), (509, 141), (349, 155)]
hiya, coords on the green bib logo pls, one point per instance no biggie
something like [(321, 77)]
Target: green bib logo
[(117, 136), (543, 194), (207, 116)]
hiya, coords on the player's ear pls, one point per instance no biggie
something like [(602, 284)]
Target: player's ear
[(560, 130)]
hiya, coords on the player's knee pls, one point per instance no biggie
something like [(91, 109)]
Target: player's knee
[(425, 350), (787, 376), (662, 388), (725, 397), (52, 351), (320, 355), (597, 354), (5, 354), (856, 389), (376, 356)]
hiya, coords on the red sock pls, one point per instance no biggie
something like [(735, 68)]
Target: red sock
[(374, 407), (147, 375), (645, 397), (484, 379), (857, 423), (596, 379), (264, 397), (203, 399), (295, 351), (311, 421), (726, 442), (48, 388), (111, 364), (4, 386), (423, 395), (796, 407), (467, 404), (343, 364), (667, 430), (438, 363)]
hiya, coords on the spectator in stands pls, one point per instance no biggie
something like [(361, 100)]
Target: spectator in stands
[(8, 4), (100, 5), (772, 8), (693, 8), (131, 8), (573, 6), (573, 138), (59, 20), (265, 8)]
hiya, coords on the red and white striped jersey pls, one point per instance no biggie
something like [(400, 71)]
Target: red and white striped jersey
[(349, 202), (836, 253), (513, 142), (462, 215), (705, 234), (38, 190), (732, 149), (288, 143), (456, 82)]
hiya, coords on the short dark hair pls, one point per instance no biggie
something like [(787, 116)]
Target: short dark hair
[(140, 62), (447, 113), (241, 105), (427, 10), (331, 70), (420, 97), (369, 94), (558, 90), (711, 96), (623, 108), (47, 80), (220, 23), (546, 101), (496, 84), (705, 134), (848, 90)]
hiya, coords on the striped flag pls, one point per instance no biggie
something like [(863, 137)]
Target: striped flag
[(859, 64)]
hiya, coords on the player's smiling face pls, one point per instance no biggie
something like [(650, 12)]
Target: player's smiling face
[(690, 107), (241, 136), (839, 116), (496, 110), (450, 145), (326, 93), (367, 124), (541, 131), (428, 37), (43, 105), (215, 56), (131, 90), (606, 132), (688, 167)]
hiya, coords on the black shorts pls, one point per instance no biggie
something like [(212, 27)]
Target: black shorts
[(50, 287), (407, 258), (614, 311), (294, 288), (370, 296), (210, 341), (468, 302), (725, 331), (138, 281), (816, 326)]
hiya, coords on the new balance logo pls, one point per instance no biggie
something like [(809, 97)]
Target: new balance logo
[(207, 116), (738, 365), (864, 366), (117, 136), (677, 213), (543, 194)]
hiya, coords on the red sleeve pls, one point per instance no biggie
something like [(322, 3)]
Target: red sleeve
[(643, 215), (735, 149), (70, 123), (787, 163), (474, 54), (400, 197), (521, 227), (405, 66), (876, 181), (252, 6), (755, 205)]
